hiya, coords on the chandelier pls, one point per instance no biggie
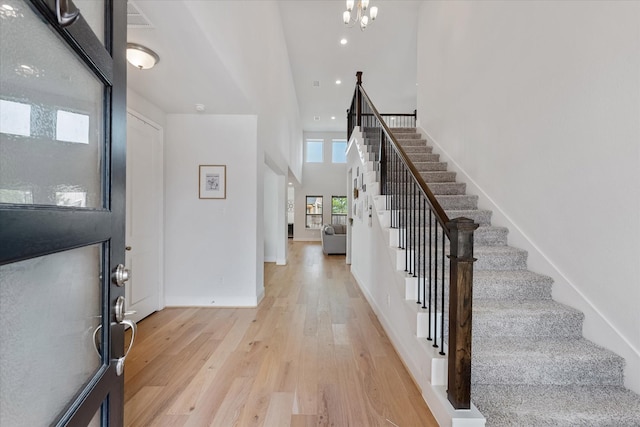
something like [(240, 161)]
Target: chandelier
[(360, 14)]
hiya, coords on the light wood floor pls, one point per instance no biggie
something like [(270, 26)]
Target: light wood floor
[(312, 354)]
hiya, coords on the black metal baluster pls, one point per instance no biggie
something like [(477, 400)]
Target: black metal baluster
[(406, 218), (435, 291), (442, 304), (430, 267), (424, 258), (420, 241), (412, 230)]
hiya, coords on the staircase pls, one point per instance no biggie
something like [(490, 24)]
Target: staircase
[(530, 364)]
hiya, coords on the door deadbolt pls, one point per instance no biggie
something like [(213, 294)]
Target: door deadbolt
[(120, 275)]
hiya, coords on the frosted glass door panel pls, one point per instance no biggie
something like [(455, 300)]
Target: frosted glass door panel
[(48, 352), (51, 115)]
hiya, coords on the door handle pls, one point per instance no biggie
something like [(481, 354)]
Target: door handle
[(120, 314), (121, 360), (66, 12)]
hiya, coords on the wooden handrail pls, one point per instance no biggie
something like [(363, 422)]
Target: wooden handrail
[(460, 233), (440, 214)]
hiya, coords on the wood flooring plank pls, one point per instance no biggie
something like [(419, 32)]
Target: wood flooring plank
[(229, 412), (312, 353), (307, 381), (279, 411), (304, 420)]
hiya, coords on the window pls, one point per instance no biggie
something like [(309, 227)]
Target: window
[(314, 151), (313, 218), (339, 151), (15, 118), (72, 127), (339, 210)]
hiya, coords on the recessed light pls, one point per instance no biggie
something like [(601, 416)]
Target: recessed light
[(291, 183), (338, 82), (333, 117), (343, 41)]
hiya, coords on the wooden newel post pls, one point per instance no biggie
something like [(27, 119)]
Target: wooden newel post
[(460, 305), (359, 100)]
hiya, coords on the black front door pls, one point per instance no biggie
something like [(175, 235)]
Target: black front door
[(62, 213)]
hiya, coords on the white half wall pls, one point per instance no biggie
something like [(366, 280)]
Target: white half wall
[(211, 244), (270, 215), (538, 104)]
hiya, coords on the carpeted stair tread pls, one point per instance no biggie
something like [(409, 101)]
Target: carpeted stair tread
[(533, 318), (499, 258), (511, 284), (424, 156), (430, 166), (531, 366), (403, 136), (438, 188), (438, 176), (397, 130), (538, 361), (480, 216), (415, 149), (487, 257), (458, 201), (448, 202), (533, 406)]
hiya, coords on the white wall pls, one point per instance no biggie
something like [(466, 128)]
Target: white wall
[(138, 103), (211, 243), (261, 67), (319, 179), (538, 103)]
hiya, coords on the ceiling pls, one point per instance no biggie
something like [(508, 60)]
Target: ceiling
[(191, 73)]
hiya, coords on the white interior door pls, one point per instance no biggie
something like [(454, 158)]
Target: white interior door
[(144, 216)]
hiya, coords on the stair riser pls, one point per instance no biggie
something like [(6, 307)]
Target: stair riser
[(510, 261), (511, 291), (438, 176), (504, 261), (456, 202), (411, 150), (483, 236), (412, 142), (411, 217), (430, 166), (525, 324), (449, 188), (425, 156), (539, 371), (407, 135)]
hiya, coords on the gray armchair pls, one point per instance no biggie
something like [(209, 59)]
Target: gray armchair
[(334, 239)]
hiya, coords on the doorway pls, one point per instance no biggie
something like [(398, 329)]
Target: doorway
[(144, 227)]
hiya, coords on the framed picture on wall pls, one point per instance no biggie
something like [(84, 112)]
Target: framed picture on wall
[(213, 181)]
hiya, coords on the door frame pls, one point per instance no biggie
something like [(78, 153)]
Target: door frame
[(37, 230)]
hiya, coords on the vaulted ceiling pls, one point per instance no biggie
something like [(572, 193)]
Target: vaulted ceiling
[(190, 72)]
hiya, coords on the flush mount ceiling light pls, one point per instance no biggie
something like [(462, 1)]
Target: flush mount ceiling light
[(141, 57), (360, 17)]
